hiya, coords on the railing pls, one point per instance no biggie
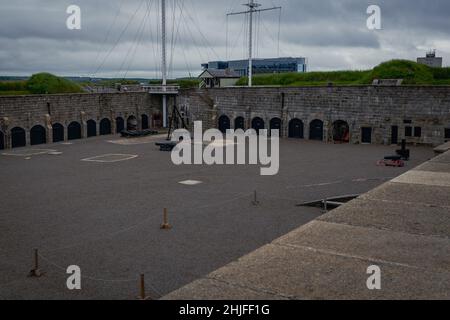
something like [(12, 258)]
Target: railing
[(162, 89)]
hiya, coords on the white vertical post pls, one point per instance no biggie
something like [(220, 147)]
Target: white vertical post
[(250, 44), (164, 60)]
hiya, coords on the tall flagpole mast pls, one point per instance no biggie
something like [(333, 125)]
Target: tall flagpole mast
[(164, 60), (252, 9)]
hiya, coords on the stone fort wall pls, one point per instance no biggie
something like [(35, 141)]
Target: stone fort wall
[(48, 111), (420, 115)]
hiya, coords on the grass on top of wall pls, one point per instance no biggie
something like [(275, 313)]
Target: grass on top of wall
[(411, 72)]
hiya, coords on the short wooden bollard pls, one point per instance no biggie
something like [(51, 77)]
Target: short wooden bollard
[(166, 225), (36, 272), (142, 294), (255, 201)]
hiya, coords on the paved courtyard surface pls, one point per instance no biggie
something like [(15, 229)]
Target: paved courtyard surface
[(98, 204)]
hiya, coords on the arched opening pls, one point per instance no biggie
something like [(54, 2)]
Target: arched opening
[(105, 127), (296, 129), (258, 124), (2, 140), (145, 122), (132, 123), (224, 124), (275, 124), (120, 125), (366, 135), (239, 123), (38, 135), (91, 128), (58, 132), (157, 120), (316, 130), (18, 138), (341, 132), (74, 131)]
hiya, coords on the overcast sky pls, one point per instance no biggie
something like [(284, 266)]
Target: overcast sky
[(118, 38)]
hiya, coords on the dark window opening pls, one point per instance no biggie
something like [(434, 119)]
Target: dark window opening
[(418, 132), (447, 133), (408, 131)]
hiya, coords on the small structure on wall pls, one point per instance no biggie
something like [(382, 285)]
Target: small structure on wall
[(215, 78)]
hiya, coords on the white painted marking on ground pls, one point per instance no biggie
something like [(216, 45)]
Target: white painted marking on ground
[(29, 152), (190, 182), (111, 158)]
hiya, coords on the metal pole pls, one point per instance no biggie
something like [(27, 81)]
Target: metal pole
[(164, 60), (250, 44)]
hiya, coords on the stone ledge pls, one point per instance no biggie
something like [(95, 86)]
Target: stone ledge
[(402, 226)]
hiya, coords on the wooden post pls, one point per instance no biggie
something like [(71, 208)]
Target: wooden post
[(142, 295), (166, 225), (255, 201), (36, 272)]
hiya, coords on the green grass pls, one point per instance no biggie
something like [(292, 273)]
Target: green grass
[(412, 73), (41, 83), (46, 83)]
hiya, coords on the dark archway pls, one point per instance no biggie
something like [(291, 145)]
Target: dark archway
[(316, 130), (145, 122), (239, 123), (258, 124), (18, 138), (341, 132), (224, 124), (296, 129), (120, 125), (38, 135), (58, 132), (157, 120), (74, 131), (276, 124), (105, 127), (366, 135), (91, 128), (132, 123), (2, 140)]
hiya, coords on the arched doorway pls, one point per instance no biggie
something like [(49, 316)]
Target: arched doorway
[(145, 122), (105, 127), (275, 124), (74, 131), (316, 130), (132, 123), (58, 132), (239, 123), (91, 128), (258, 124), (224, 124), (18, 138), (120, 125), (296, 129), (341, 132), (157, 120), (38, 135), (2, 140)]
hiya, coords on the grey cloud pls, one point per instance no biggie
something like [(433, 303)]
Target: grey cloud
[(331, 33)]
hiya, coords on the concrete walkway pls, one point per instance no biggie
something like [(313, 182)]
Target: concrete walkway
[(403, 227)]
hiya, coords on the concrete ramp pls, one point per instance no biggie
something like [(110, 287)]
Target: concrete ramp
[(403, 227)]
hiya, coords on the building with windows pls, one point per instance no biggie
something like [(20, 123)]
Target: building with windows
[(431, 60), (274, 65)]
